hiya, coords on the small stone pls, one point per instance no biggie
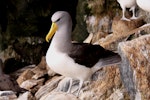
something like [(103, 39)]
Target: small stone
[(28, 84), (27, 74), (59, 96), (117, 95), (7, 95), (8, 83), (26, 96), (32, 84)]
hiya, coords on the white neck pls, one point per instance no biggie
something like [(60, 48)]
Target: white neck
[(62, 37)]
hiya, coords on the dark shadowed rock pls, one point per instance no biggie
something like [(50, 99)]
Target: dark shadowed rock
[(8, 83), (30, 53)]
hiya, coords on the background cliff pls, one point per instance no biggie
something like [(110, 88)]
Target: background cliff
[(25, 23)]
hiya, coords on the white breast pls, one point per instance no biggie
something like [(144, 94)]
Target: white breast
[(62, 64), (127, 3)]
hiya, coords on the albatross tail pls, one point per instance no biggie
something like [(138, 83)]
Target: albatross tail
[(108, 61), (115, 59)]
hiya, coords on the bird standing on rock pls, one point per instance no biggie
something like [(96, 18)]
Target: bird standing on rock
[(128, 4), (75, 60)]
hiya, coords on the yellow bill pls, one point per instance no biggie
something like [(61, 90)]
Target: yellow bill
[(53, 29)]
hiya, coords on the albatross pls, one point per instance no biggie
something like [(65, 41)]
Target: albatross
[(128, 4), (75, 60)]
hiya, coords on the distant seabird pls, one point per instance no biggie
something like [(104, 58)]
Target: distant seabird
[(144, 4), (128, 4), (75, 60)]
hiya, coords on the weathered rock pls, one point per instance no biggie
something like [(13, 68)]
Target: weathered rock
[(120, 32), (19, 72), (102, 88), (7, 95), (35, 72), (48, 87), (135, 67), (32, 84), (110, 42), (98, 26), (28, 84), (8, 83), (40, 70), (59, 96), (27, 74), (122, 27), (117, 95), (32, 79)]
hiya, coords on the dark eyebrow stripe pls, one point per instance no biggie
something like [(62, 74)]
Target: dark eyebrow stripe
[(57, 20)]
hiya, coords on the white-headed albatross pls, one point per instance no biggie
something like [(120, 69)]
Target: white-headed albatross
[(75, 60), (127, 4)]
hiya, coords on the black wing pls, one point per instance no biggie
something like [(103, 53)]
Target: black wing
[(89, 55)]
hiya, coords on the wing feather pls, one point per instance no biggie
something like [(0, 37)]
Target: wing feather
[(88, 54)]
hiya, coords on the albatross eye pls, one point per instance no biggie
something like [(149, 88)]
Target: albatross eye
[(58, 20)]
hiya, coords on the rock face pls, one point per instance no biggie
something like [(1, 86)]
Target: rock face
[(121, 31), (32, 79), (136, 63), (105, 82), (122, 27), (8, 95)]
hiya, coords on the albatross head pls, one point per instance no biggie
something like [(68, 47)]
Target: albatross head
[(58, 20)]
